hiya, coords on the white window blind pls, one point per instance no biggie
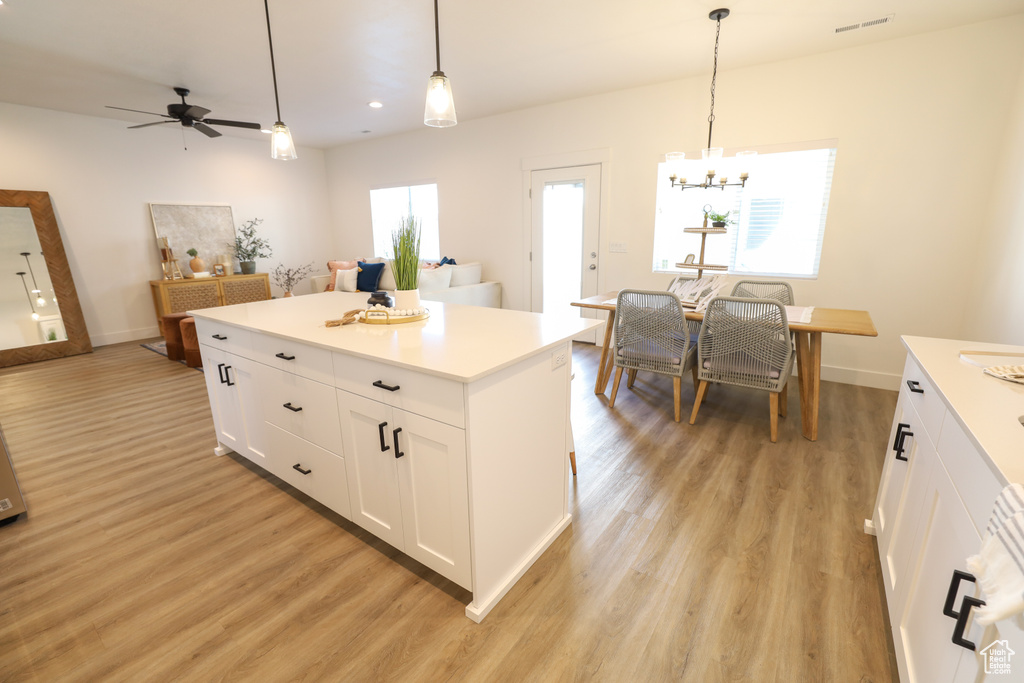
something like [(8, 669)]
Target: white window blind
[(780, 214), (389, 205)]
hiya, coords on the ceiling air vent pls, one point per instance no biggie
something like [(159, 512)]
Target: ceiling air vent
[(864, 24)]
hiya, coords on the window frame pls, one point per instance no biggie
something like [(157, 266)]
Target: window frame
[(426, 256)]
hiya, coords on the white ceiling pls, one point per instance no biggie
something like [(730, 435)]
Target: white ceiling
[(335, 56)]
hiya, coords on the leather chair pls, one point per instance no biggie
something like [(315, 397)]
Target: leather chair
[(170, 326)]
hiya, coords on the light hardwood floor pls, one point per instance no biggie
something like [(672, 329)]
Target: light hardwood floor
[(696, 553)]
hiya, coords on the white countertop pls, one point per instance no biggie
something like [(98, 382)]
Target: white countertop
[(988, 409), (457, 342)]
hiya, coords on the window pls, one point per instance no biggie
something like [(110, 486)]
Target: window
[(780, 214), (389, 205)]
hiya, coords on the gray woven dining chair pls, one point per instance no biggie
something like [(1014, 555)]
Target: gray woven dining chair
[(745, 342), (651, 335), (692, 325), (778, 290)]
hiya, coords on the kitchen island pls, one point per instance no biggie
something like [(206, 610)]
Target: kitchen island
[(446, 437)]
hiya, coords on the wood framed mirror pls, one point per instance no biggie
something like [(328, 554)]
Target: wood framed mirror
[(40, 316)]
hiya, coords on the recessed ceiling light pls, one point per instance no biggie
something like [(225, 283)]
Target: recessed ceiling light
[(376, 105)]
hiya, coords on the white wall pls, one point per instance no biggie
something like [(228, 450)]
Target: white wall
[(101, 178), (997, 310), (920, 123)]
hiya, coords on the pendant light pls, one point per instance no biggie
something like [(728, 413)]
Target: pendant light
[(40, 301), (35, 316), (440, 109), (281, 146), (711, 154)]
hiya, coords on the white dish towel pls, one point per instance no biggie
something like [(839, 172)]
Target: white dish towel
[(999, 567)]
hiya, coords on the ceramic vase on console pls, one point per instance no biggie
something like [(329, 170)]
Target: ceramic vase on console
[(197, 265), (248, 267), (407, 299)]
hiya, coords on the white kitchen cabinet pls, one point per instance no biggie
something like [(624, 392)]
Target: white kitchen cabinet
[(408, 482), (235, 403)]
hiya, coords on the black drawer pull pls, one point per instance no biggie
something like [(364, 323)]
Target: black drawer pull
[(220, 373), (899, 431), (383, 446), (961, 622), (954, 586), (292, 408), (915, 386), (381, 385), (284, 357), (220, 337), (298, 467), (228, 375), (394, 435), (901, 448)]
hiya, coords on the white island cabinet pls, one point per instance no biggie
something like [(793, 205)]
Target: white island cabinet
[(445, 437), (957, 439)]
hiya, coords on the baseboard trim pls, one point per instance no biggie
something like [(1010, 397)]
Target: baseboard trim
[(125, 336), (861, 378)]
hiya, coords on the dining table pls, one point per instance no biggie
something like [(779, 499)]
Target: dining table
[(808, 337)]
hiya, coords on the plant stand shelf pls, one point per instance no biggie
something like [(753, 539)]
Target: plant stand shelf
[(704, 231)]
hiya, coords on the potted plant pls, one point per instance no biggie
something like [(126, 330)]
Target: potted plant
[(720, 220), (248, 247), (405, 242), (287, 278), (197, 264)]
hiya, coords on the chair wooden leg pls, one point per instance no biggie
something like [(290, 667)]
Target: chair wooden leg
[(696, 401), (632, 378), (783, 399), (677, 385), (773, 399), (696, 377), (572, 462), (615, 387)]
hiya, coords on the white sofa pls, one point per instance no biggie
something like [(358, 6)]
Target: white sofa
[(465, 286)]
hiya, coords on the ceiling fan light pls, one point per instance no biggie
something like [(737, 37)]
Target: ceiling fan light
[(281, 146), (440, 109)]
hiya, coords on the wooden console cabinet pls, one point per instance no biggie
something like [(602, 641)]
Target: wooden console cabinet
[(178, 296)]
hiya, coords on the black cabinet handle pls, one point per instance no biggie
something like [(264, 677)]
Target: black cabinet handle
[(961, 622), (292, 408), (899, 431), (383, 446), (954, 586), (220, 373), (394, 435), (915, 386), (284, 357), (298, 466), (381, 385), (901, 447), (228, 375), (220, 337)]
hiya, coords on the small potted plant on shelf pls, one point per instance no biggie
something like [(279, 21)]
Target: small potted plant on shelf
[(197, 264), (287, 278), (405, 242), (720, 220), (248, 247)]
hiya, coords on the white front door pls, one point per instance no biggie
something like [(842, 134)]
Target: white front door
[(566, 206)]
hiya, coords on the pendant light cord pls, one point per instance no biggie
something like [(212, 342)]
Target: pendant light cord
[(437, 38), (714, 75), (273, 69)]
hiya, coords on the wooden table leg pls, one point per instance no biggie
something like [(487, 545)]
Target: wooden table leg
[(808, 359), (604, 368)]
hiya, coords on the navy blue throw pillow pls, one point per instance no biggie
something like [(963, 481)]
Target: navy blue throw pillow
[(447, 261), (369, 276)]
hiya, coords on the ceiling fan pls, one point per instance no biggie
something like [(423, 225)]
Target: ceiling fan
[(190, 116)]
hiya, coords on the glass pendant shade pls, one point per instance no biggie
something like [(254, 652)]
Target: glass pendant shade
[(440, 109), (40, 301), (711, 153), (281, 146)]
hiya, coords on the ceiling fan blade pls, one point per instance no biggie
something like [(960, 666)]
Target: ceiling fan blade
[(236, 124), (205, 130), (137, 111), (196, 111), (155, 123)]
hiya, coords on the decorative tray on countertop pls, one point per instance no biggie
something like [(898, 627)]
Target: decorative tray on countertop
[(386, 316)]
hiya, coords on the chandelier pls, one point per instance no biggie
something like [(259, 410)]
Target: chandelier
[(711, 154)]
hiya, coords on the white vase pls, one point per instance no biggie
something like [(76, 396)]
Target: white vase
[(406, 299)]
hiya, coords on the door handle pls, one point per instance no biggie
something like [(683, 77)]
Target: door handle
[(228, 375), (961, 622), (915, 386), (383, 446), (593, 254), (593, 267), (380, 385), (298, 467), (899, 431), (954, 586), (900, 448), (220, 373), (292, 408), (220, 337), (394, 435), (284, 357)]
